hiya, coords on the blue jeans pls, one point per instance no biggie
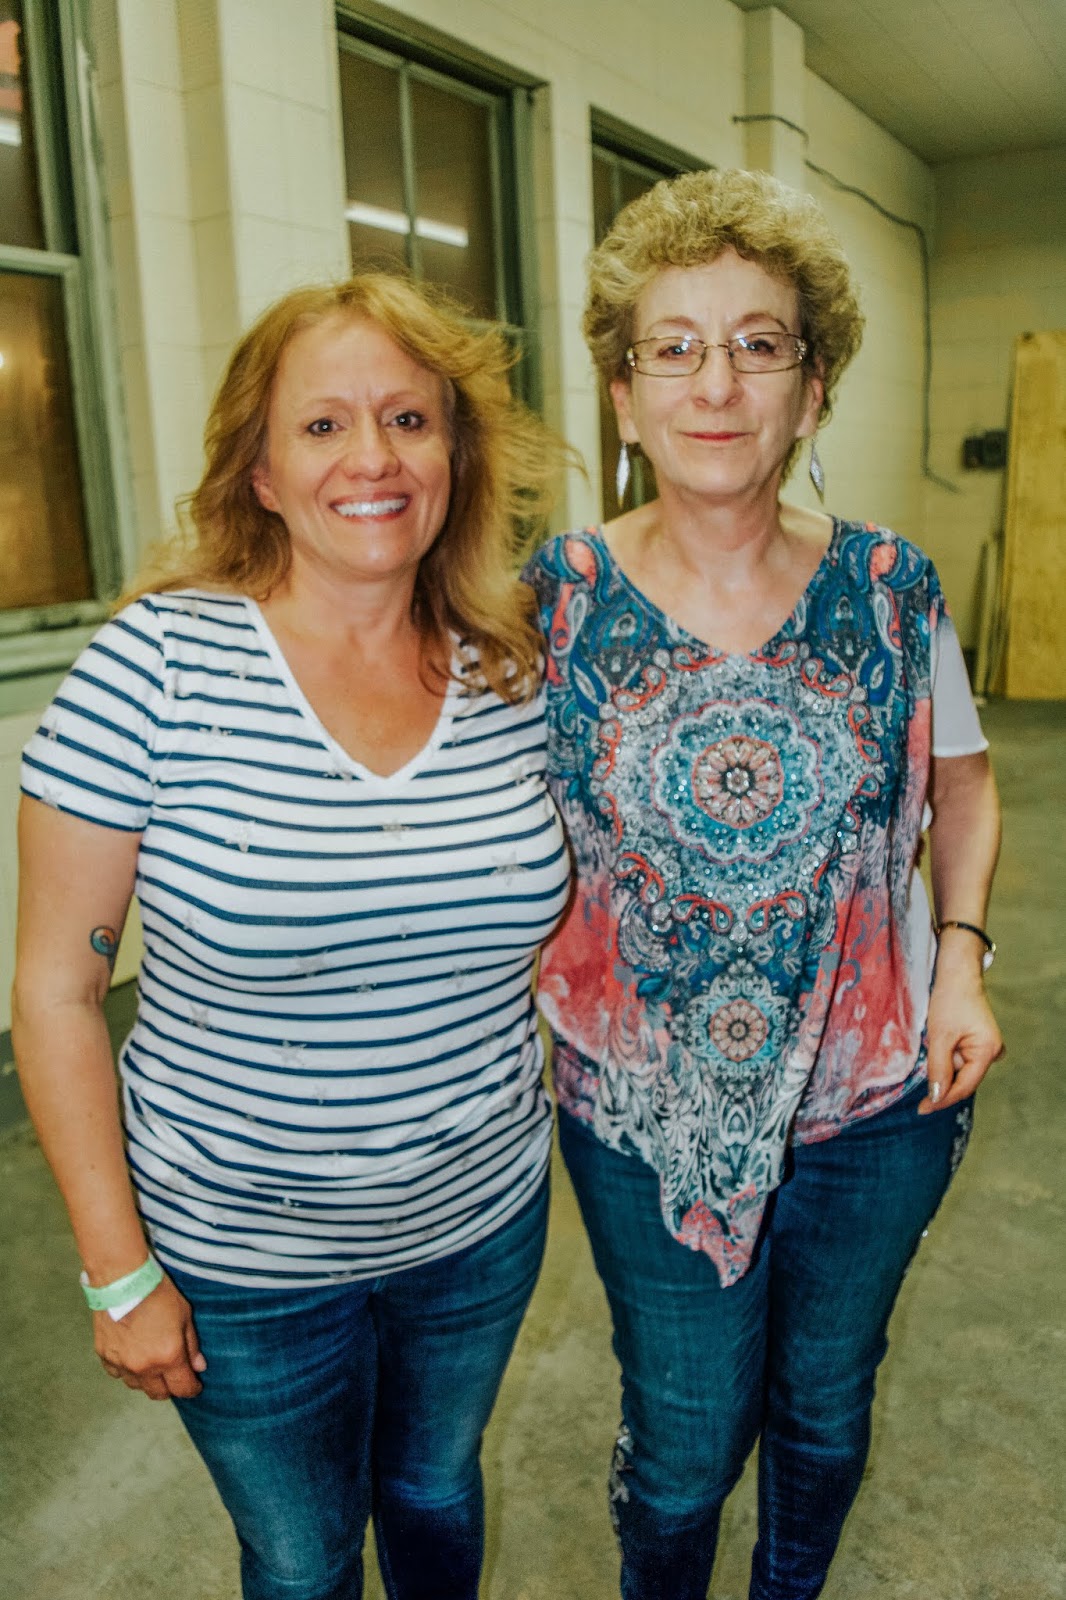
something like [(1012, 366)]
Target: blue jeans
[(787, 1355), (323, 1407)]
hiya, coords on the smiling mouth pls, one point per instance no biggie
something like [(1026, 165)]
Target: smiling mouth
[(717, 438), (372, 508)]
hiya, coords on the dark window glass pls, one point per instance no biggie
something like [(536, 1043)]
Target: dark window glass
[(21, 221), (632, 182), (373, 156), (604, 201), (453, 163), (425, 154), (42, 522)]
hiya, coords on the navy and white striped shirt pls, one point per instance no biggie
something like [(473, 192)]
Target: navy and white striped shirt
[(335, 1069)]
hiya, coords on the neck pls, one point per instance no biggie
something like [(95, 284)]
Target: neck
[(729, 540), (370, 618)]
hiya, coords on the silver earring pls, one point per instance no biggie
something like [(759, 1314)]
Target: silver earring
[(817, 472), (621, 476)]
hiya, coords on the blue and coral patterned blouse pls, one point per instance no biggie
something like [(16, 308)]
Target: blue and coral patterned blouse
[(747, 957)]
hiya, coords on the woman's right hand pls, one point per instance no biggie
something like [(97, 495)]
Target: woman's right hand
[(154, 1347)]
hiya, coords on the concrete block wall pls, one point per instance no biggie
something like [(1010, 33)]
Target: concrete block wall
[(872, 449)]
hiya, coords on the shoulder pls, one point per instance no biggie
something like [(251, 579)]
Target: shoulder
[(570, 558), (873, 556), (185, 622), (195, 610)]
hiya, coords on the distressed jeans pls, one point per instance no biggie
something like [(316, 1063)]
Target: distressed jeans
[(787, 1355)]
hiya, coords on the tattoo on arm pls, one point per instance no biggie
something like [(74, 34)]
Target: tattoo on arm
[(105, 942)]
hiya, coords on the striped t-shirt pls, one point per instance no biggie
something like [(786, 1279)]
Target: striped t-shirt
[(335, 1069)]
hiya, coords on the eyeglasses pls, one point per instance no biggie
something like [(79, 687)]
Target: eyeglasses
[(747, 352)]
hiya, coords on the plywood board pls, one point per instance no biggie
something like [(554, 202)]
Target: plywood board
[(1034, 568)]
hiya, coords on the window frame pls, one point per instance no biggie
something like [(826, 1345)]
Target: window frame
[(37, 640), (424, 54)]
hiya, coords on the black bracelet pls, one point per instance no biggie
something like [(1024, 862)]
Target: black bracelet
[(967, 927)]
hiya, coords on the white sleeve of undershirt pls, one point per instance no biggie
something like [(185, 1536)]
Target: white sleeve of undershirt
[(956, 725)]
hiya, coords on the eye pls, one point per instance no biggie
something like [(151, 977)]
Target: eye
[(322, 427), (761, 344), (409, 421), (673, 349)]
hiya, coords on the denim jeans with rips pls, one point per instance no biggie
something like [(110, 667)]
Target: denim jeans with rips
[(323, 1407), (787, 1355)]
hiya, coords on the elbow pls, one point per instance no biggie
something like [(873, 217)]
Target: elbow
[(41, 1000)]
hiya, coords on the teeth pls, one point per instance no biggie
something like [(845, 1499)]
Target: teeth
[(371, 508)]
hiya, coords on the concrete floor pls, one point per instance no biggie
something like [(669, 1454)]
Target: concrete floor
[(101, 1495)]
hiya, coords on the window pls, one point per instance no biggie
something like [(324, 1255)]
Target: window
[(433, 182), (625, 164), (58, 546)]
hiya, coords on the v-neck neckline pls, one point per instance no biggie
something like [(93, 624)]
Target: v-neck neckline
[(787, 627), (343, 759)]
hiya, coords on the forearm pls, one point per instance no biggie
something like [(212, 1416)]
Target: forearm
[(68, 1080), (964, 843)]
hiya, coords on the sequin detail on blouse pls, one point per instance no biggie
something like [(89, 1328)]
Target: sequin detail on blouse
[(733, 969)]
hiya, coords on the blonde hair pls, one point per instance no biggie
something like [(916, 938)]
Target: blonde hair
[(503, 464), (689, 221)]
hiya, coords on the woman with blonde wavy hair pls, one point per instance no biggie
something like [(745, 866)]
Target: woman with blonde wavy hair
[(313, 747), (763, 1091)]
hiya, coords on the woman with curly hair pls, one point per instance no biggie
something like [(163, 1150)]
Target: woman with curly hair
[(314, 749), (763, 1091)]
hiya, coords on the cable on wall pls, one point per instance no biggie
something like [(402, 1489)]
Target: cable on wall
[(923, 251)]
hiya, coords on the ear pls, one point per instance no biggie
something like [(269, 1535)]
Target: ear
[(264, 489), (622, 400), (814, 399)]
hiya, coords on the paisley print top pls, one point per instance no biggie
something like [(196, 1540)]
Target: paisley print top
[(744, 960)]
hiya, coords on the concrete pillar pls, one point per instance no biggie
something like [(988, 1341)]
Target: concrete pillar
[(775, 79)]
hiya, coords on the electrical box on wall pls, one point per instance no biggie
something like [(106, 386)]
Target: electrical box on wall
[(987, 450)]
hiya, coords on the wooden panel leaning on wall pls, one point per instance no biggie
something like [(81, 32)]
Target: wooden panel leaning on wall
[(1034, 568)]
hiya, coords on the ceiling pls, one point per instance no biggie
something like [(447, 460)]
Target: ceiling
[(948, 78)]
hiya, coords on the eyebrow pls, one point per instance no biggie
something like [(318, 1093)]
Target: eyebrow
[(761, 317), (407, 397)]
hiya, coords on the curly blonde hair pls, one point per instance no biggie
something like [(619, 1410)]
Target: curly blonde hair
[(687, 222), (504, 464)]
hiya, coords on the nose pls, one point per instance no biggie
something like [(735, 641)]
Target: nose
[(716, 381), (369, 449)]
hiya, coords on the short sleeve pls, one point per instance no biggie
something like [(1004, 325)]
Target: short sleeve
[(92, 752), (956, 725)]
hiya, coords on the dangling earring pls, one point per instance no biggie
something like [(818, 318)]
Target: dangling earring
[(817, 472), (621, 476)]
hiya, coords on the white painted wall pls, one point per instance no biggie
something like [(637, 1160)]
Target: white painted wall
[(220, 133), (999, 270), (872, 448)]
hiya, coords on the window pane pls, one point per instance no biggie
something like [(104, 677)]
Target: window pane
[(602, 195), (373, 159), (455, 211), (42, 527), (635, 183), (21, 221)]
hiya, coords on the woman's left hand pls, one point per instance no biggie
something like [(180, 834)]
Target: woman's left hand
[(963, 1038)]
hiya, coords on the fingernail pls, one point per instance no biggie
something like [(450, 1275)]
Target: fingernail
[(935, 1092)]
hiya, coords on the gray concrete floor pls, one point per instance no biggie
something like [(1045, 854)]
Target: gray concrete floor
[(102, 1496)]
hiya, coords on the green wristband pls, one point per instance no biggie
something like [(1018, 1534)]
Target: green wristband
[(134, 1287)]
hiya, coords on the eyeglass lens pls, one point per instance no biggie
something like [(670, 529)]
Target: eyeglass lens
[(749, 352)]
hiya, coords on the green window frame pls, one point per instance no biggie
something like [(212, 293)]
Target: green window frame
[(38, 642), (421, 54), (629, 163)]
